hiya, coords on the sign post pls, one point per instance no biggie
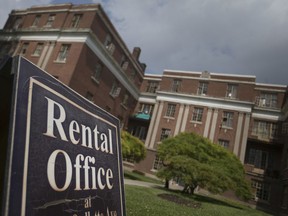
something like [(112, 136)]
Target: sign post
[(64, 153)]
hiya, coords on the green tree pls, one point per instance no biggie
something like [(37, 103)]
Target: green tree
[(132, 147), (199, 162)]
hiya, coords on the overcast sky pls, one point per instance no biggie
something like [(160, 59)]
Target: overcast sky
[(248, 37)]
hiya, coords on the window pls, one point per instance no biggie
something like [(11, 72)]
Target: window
[(124, 62), (223, 143), (17, 23), (152, 86), (176, 86), (75, 20), (140, 132), (268, 100), (115, 90), (264, 130), (132, 74), (262, 190), (97, 72), (108, 40), (38, 49), (125, 100), (170, 112), (258, 158), (202, 88), (63, 53), (227, 120), (89, 96), (231, 91), (165, 133), (197, 114), (157, 163), (24, 49), (109, 45), (285, 128), (146, 108), (36, 21), (50, 20)]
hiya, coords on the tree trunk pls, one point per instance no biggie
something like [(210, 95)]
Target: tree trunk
[(189, 189), (167, 183)]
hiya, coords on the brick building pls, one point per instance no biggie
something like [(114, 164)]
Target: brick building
[(78, 45), (248, 118)]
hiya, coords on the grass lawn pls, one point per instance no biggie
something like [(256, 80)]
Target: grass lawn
[(142, 201), (139, 177)]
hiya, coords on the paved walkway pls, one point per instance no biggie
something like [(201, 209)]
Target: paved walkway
[(141, 183), (153, 185)]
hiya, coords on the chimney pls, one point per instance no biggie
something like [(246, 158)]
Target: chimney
[(136, 53)]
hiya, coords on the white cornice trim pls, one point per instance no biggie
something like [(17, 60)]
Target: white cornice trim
[(266, 115), (217, 103), (152, 78), (94, 44), (272, 90), (207, 79), (214, 74), (270, 85), (150, 100)]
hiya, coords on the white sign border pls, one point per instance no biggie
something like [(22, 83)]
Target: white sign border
[(27, 141)]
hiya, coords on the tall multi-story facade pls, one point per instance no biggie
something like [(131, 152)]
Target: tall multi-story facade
[(234, 111), (78, 45)]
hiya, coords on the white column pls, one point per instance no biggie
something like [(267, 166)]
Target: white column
[(213, 126), (155, 129), (43, 54), (179, 119), (207, 123), (151, 125), (48, 55), (245, 136), (185, 118), (238, 134)]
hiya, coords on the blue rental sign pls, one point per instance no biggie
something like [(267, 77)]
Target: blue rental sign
[(65, 153)]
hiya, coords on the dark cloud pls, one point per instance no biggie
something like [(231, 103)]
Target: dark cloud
[(240, 37)]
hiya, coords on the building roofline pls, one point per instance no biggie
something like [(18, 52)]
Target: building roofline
[(211, 73), (270, 85)]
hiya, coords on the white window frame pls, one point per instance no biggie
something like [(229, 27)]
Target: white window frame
[(258, 158), (115, 90), (63, 53), (152, 86), (227, 120), (197, 114), (176, 85), (76, 20), (38, 49), (231, 91), (223, 143), (165, 133), (50, 20), (262, 190), (157, 164), (171, 109), (36, 20), (202, 88), (96, 75)]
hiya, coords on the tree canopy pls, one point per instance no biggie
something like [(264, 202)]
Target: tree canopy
[(132, 147), (199, 162)]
